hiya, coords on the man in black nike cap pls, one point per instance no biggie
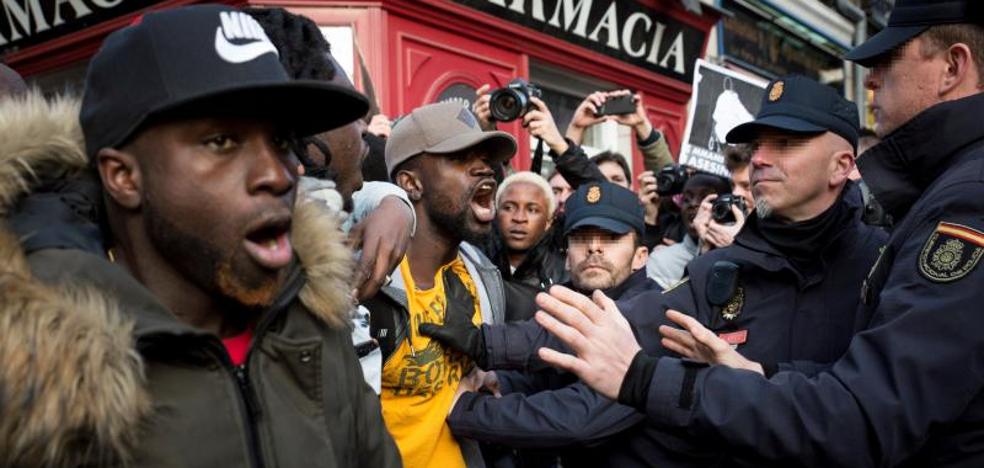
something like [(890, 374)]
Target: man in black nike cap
[(909, 390), (239, 301)]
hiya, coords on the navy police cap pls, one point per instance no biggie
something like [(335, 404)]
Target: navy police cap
[(798, 104), (606, 206), (910, 18)]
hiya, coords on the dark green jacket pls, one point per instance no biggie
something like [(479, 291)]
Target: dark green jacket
[(112, 376), (299, 400)]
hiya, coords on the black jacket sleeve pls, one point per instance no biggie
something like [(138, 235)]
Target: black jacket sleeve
[(550, 419), (514, 345), (575, 166), (917, 368)]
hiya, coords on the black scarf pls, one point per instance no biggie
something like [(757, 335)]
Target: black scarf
[(804, 241)]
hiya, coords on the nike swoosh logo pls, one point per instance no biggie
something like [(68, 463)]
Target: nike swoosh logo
[(240, 53)]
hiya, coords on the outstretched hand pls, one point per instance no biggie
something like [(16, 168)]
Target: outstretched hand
[(698, 343), (597, 332)]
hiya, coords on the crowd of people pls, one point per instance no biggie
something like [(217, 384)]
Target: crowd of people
[(217, 256)]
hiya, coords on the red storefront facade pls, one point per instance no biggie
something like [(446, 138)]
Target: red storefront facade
[(411, 52)]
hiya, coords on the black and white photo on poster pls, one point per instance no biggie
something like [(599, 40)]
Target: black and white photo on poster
[(722, 99)]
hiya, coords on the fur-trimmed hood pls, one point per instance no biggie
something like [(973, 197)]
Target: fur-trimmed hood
[(72, 387), (40, 139)]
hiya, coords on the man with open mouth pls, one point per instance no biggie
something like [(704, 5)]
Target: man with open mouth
[(203, 340), (441, 157)]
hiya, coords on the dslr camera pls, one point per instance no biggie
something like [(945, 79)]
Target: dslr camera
[(721, 208), (513, 101), (671, 179)]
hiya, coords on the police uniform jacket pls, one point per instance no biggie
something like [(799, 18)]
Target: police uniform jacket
[(908, 391), (783, 317)]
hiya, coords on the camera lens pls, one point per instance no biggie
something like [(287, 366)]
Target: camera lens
[(663, 181), (506, 105), (720, 211)]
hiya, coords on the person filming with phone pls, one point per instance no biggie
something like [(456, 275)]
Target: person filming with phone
[(625, 108)]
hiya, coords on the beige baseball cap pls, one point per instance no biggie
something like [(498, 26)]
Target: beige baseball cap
[(441, 128)]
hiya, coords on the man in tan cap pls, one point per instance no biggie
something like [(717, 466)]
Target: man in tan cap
[(441, 157)]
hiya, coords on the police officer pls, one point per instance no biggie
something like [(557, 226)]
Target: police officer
[(784, 294), (909, 391), (604, 228)]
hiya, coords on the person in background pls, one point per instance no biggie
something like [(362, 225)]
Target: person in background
[(561, 190), (525, 209), (382, 219), (874, 214), (655, 152), (570, 160), (664, 225), (379, 217), (667, 263), (711, 233), (614, 167), (737, 159)]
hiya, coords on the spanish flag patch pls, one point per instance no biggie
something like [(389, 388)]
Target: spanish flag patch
[(951, 252)]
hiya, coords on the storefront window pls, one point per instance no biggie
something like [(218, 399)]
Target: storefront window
[(772, 45)]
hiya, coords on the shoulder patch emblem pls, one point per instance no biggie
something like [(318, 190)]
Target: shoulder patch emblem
[(732, 309), (951, 252)]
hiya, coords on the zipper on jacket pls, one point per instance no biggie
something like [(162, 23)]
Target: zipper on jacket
[(252, 411), (245, 385), (249, 405)]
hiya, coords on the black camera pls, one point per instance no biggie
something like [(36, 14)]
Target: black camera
[(721, 208), (513, 101), (671, 179)]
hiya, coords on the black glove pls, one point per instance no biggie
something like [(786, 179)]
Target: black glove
[(458, 332)]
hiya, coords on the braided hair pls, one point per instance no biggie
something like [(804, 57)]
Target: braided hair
[(305, 55), (303, 49)]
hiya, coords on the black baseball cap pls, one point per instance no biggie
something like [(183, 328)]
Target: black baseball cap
[(212, 59), (798, 104), (604, 205), (910, 18)]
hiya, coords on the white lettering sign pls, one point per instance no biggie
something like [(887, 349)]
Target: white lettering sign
[(22, 19), (615, 26)]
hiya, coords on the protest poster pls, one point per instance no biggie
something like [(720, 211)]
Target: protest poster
[(722, 99)]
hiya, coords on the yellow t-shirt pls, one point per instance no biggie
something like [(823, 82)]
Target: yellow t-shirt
[(419, 381)]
